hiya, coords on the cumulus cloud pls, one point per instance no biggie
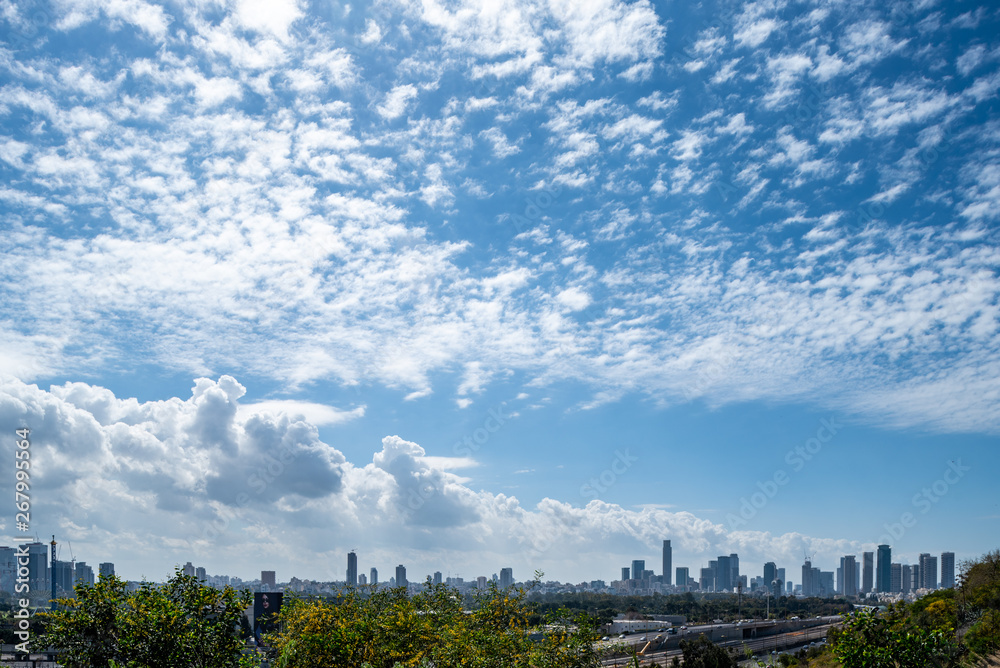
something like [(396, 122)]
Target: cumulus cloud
[(206, 480)]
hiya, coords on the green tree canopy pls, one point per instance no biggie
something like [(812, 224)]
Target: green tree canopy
[(183, 623)]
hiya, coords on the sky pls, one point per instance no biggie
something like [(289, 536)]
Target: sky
[(476, 284)]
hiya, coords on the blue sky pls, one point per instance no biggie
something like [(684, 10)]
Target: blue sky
[(635, 254)]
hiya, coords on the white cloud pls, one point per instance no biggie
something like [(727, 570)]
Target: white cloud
[(397, 101)]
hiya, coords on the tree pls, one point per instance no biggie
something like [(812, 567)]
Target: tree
[(183, 623), (384, 628), (703, 653), (893, 639)]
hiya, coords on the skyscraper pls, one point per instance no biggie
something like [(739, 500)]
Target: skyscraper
[(723, 574), (625, 573), (734, 570), (8, 569), (106, 569), (947, 570), (682, 576), (189, 569), (895, 578), (907, 578), (437, 577), (850, 569), (38, 567), (506, 577), (83, 574), (808, 587), (883, 574), (770, 573), (352, 568), (373, 578), (401, 576), (268, 580), (668, 564), (638, 566), (868, 559), (780, 574), (201, 573), (928, 571)]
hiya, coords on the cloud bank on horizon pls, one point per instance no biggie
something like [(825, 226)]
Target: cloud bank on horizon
[(210, 480), (777, 201)]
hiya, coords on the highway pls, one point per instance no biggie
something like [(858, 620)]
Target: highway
[(759, 646)]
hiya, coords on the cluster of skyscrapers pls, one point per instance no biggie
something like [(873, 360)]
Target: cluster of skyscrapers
[(874, 574), (506, 578), (44, 571)]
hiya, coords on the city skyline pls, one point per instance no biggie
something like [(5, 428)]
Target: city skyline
[(534, 286)]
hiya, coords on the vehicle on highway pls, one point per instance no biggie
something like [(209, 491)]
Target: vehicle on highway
[(605, 638)]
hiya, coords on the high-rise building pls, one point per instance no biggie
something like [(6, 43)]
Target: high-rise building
[(947, 570), (777, 588), (373, 577), (362, 579), (668, 564), (780, 574), (883, 573), (682, 576), (734, 570), (401, 576), (907, 579), (625, 573), (895, 578), (189, 569), (352, 568), (481, 582), (506, 577), (638, 566), (62, 575), (839, 588), (928, 571), (83, 574), (8, 569), (201, 573), (707, 580), (106, 568), (850, 576), (867, 571), (770, 573), (268, 580), (825, 579), (808, 587), (723, 574), (38, 567), (437, 577)]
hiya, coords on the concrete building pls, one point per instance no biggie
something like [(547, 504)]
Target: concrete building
[(668, 564), (437, 577), (401, 576), (770, 573), (683, 575), (625, 573), (506, 577), (373, 577), (268, 580), (38, 567), (638, 566), (947, 570), (106, 568)]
